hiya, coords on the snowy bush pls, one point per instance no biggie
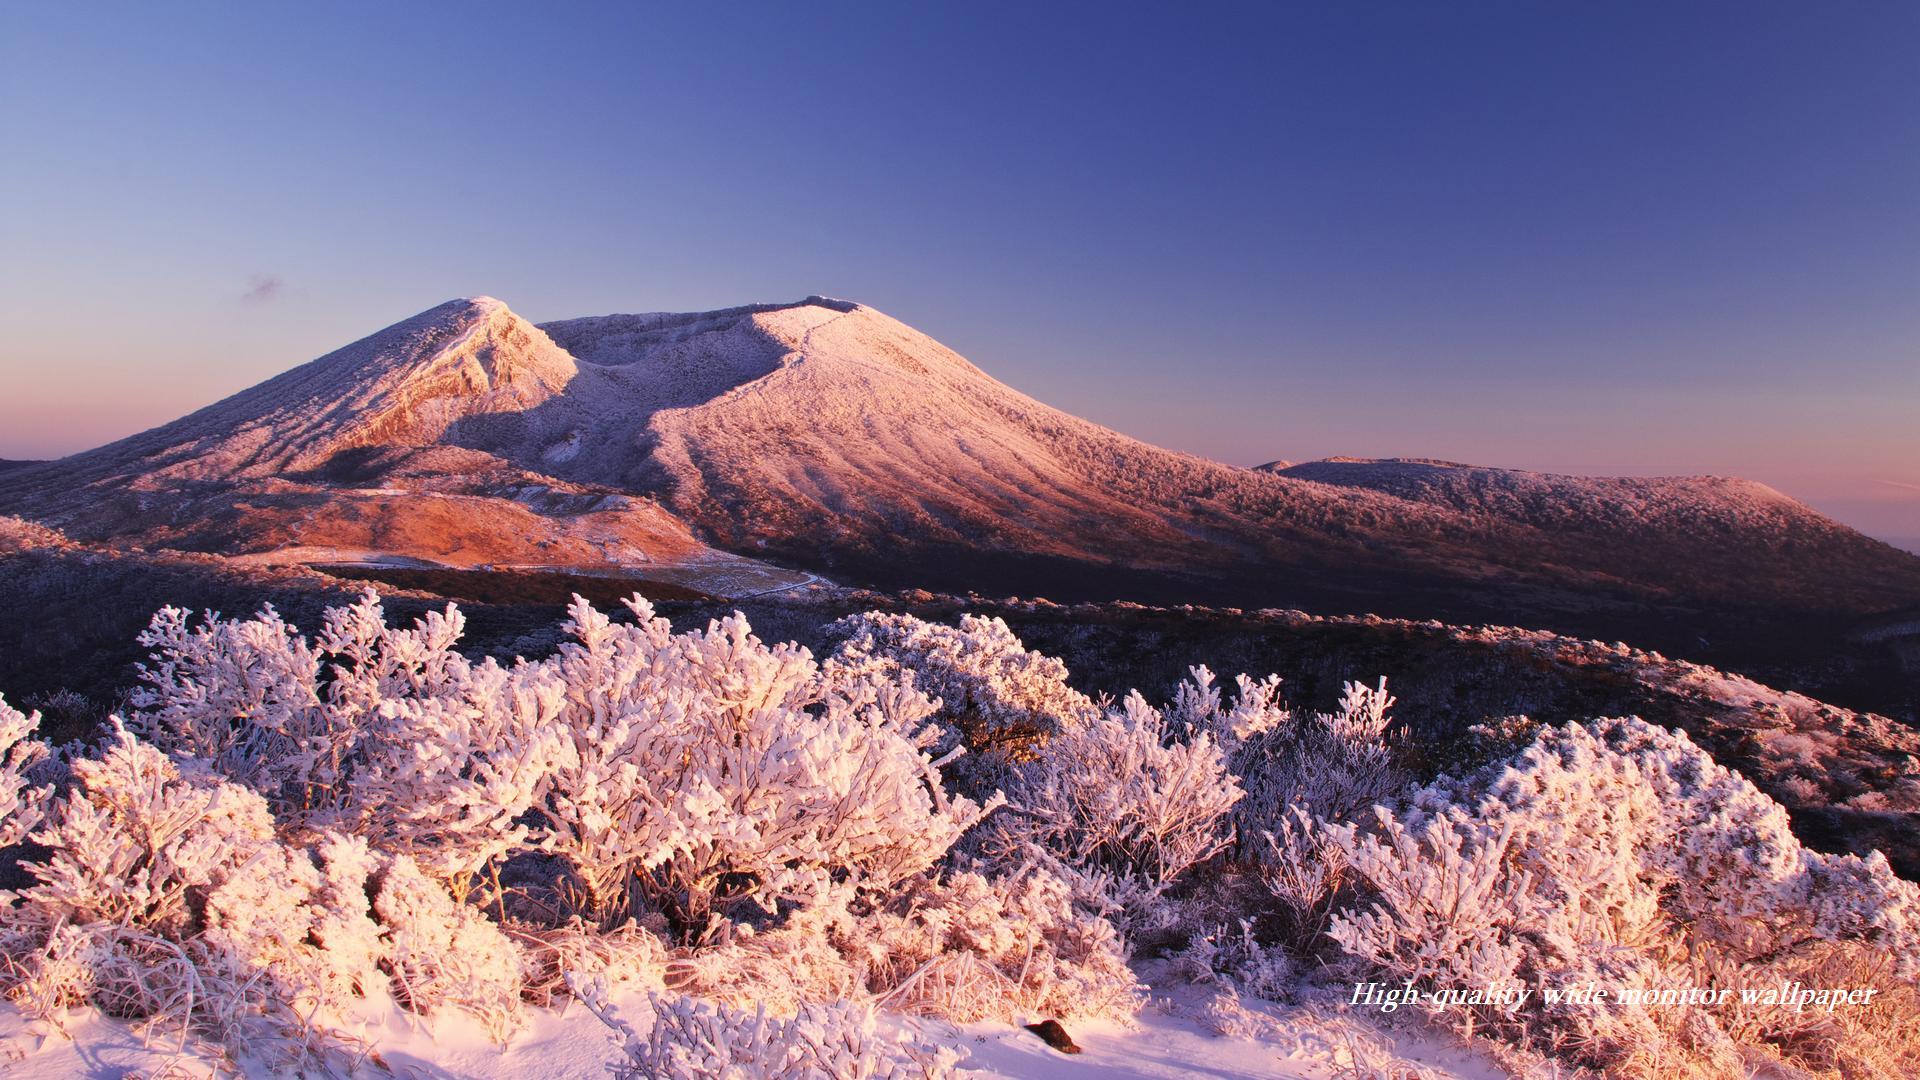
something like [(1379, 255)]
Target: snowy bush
[(240, 696), (316, 824), (711, 770), (626, 954), (442, 953), (695, 1040), (21, 805), (1597, 855), (1256, 708), (692, 772), (448, 779), (961, 947), (997, 698), (1234, 957), (381, 730), (1304, 870), (969, 947), (1119, 803), (166, 895), (1335, 764), (139, 837)]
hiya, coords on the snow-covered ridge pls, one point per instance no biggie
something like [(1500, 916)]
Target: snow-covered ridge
[(615, 340), (1558, 499), (404, 385), (838, 438)]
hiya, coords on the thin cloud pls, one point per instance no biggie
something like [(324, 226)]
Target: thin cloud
[(262, 288), (1901, 484)]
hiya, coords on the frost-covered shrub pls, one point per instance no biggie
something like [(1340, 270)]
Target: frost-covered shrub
[(959, 947), (1304, 870), (166, 896), (695, 772), (21, 805), (968, 947), (449, 779), (432, 755), (1233, 956), (711, 769), (380, 730), (1120, 803), (782, 968), (190, 910), (240, 696), (1447, 910), (442, 953), (1604, 811), (1256, 707), (1335, 764), (625, 954), (997, 698), (140, 837), (343, 926), (695, 1040), (1597, 855)]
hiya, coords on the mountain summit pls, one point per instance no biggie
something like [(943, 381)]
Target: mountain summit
[(825, 435), (405, 386)]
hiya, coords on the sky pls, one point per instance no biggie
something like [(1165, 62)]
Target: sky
[(1673, 238)]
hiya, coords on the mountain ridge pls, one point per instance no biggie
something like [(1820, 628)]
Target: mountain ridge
[(831, 437)]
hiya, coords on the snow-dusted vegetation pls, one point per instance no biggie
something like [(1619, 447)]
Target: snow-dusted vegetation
[(287, 832)]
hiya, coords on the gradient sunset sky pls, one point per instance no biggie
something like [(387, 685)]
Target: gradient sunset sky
[(1667, 238)]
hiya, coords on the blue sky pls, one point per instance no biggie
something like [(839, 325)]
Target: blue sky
[(1660, 238)]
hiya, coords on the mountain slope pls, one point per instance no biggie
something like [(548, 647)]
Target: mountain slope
[(350, 459), (830, 436), (852, 442), (1553, 501), (402, 386), (856, 442)]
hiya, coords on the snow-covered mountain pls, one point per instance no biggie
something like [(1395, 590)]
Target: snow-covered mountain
[(353, 458), (1556, 502), (826, 435)]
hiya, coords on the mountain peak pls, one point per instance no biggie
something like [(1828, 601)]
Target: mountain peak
[(406, 384)]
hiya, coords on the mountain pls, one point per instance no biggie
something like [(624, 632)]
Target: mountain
[(827, 436), (1666, 506), (1699, 536), (353, 459)]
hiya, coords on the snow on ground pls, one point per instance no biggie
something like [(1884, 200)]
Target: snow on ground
[(567, 1043)]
